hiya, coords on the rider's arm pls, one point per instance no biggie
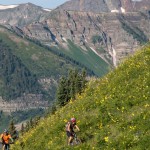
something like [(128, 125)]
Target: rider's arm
[(77, 127), (11, 138), (68, 128)]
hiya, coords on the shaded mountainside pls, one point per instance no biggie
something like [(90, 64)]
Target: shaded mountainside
[(16, 78), (28, 72), (112, 113)]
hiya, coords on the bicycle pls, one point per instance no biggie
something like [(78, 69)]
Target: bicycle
[(6, 146), (76, 140)]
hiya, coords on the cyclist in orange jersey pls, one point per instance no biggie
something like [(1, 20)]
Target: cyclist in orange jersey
[(5, 139)]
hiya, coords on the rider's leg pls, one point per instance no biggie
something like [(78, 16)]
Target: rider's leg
[(70, 140), (3, 147)]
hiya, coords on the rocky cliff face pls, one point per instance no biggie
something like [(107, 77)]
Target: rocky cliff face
[(112, 36), (98, 6), (25, 102)]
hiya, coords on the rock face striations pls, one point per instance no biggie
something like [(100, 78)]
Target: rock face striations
[(99, 6), (112, 36)]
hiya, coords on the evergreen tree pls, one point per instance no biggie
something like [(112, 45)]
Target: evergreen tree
[(27, 126), (22, 129), (83, 79), (31, 123), (13, 131), (36, 120), (62, 93), (70, 86)]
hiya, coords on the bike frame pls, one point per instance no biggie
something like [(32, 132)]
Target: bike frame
[(76, 140)]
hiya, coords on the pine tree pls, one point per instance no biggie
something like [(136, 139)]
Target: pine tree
[(70, 86), (22, 129), (83, 79), (31, 123), (13, 131), (62, 92), (27, 126)]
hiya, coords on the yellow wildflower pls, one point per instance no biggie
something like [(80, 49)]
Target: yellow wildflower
[(106, 139)]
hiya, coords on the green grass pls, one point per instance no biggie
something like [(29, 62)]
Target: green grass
[(38, 60), (112, 113), (88, 58)]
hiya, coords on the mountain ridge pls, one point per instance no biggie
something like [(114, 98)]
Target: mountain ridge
[(23, 15), (98, 6)]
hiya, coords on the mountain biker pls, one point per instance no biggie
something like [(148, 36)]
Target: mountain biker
[(71, 125), (5, 138)]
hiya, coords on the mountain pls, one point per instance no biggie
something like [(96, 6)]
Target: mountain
[(112, 113), (98, 34), (98, 6), (22, 15), (111, 36), (30, 74)]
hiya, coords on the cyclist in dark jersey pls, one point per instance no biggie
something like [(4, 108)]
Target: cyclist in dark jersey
[(71, 125)]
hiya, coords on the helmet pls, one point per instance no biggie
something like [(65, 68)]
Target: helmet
[(5, 131), (73, 120)]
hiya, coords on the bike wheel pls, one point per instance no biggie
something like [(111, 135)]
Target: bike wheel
[(76, 141)]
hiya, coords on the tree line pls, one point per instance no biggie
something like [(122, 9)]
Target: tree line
[(16, 78)]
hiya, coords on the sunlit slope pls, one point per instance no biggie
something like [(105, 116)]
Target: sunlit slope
[(88, 58), (112, 113), (38, 60)]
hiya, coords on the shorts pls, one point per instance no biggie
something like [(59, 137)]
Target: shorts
[(69, 133)]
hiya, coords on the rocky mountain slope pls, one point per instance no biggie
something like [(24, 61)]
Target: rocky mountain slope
[(111, 36), (98, 6), (22, 15), (110, 29)]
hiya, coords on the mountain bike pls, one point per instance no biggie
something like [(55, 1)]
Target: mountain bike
[(6, 146), (76, 140)]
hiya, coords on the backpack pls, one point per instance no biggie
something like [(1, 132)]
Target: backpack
[(71, 125), (66, 126)]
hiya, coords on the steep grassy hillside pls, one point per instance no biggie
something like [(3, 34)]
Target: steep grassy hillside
[(112, 113), (86, 57)]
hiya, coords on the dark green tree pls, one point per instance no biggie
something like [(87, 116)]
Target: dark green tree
[(27, 127), (12, 130), (62, 93), (22, 129), (70, 86)]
